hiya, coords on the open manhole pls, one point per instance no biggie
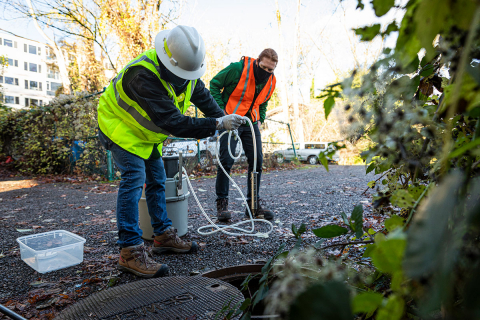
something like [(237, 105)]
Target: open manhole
[(235, 276), (159, 298)]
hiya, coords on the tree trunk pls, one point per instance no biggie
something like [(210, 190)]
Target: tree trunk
[(282, 77), (296, 112), (60, 58)]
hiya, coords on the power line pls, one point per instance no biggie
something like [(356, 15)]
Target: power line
[(339, 1)]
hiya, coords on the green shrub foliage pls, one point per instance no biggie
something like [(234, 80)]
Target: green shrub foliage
[(41, 138)]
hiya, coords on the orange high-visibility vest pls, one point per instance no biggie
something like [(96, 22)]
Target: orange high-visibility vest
[(241, 100)]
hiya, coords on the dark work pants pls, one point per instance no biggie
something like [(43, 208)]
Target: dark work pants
[(222, 184)]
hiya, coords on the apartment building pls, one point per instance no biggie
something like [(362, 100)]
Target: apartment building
[(32, 76)]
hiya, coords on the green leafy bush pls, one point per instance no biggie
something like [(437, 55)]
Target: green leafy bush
[(41, 138)]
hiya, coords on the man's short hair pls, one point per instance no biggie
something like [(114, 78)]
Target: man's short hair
[(270, 54)]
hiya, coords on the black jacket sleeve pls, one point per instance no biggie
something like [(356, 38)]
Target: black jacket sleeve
[(204, 101), (144, 87)]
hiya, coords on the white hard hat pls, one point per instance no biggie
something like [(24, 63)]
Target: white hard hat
[(182, 51)]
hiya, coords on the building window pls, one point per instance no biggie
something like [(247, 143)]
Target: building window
[(12, 100), (1, 79), (32, 67), (55, 85), (52, 87), (12, 63), (49, 52), (53, 72), (32, 102), (33, 85), (11, 80), (8, 43), (39, 52), (32, 49)]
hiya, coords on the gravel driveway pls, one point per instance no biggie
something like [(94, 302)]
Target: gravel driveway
[(309, 195)]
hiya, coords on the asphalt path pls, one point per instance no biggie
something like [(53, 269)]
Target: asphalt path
[(309, 195)]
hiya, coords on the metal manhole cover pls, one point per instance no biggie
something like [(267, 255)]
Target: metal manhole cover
[(160, 298)]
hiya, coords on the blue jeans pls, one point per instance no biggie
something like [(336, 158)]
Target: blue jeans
[(135, 173), (222, 184)]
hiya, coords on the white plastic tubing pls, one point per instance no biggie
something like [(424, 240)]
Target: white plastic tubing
[(235, 229)]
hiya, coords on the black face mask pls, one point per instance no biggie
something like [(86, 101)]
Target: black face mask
[(175, 81), (260, 74)]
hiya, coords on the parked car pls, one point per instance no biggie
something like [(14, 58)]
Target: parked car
[(307, 152), (190, 150)]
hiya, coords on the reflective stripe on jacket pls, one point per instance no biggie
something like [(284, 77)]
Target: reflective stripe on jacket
[(242, 98), (125, 122)]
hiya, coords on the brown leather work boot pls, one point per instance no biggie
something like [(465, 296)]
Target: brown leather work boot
[(169, 241), (137, 261), (223, 215)]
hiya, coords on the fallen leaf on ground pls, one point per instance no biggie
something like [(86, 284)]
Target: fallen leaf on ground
[(40, 284), (47, 304), (242, 241)]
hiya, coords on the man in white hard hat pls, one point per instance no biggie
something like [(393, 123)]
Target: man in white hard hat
[(142, 106)]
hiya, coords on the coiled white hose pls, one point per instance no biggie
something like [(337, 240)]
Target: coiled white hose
[(235, 226)]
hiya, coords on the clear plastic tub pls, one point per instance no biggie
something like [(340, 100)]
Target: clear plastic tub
[(50, 251)]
